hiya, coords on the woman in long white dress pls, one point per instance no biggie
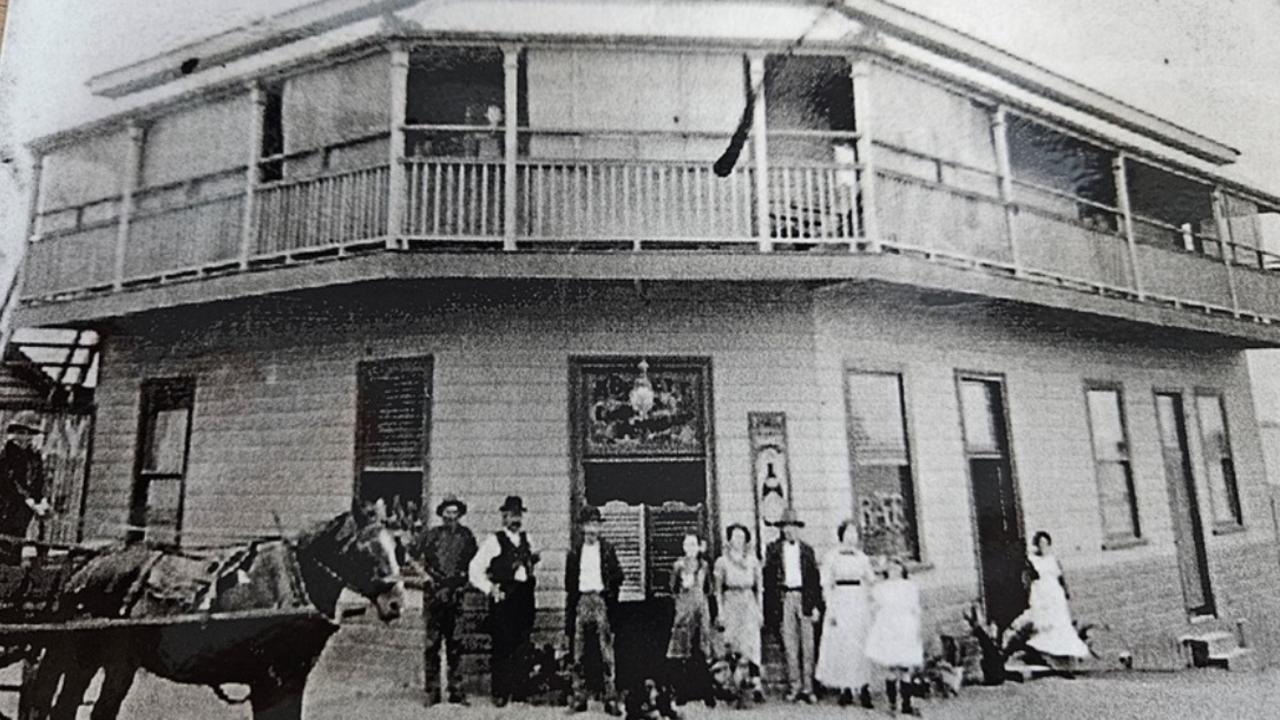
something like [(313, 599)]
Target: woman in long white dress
[(1052, 632), (738, 584), (846, 576)]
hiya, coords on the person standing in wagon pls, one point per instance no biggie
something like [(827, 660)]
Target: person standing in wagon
[(22, 485), (738, 582), (690, 647), (1053, 632), (846, 575), (894, 642)]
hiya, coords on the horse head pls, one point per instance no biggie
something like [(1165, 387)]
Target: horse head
[(357, 550)]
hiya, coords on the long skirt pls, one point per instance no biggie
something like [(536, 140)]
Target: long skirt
[(1052, 630), (842, 659), (740, 616)]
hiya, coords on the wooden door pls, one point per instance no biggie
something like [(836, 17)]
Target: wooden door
[(1001, 545), (1193, 561)]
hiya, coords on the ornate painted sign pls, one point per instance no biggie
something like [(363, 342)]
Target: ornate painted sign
[(635, 411), (770, 469)]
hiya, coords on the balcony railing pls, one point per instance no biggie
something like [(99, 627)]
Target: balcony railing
[(923, 205)]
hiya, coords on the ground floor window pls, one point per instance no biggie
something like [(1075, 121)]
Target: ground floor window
[(164, 444), (1224, 494), (880, 463), (393, 402), (1112, 465)]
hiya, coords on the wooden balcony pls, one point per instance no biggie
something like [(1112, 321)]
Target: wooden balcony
[(946, 213)]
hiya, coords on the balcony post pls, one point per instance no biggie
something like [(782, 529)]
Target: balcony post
[(511, 144), (862, 100), (396, 181), (128, 186), (1000, 136), (1225, 245), (1126, 220), (33, 234), (257, 104), (760, 153)]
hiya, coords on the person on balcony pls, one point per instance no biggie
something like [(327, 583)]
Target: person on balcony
[(592, 581), (445, 552), (22, 485), (503, 570), (793, 602)]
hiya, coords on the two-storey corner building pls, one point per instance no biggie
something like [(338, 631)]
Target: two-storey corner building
[(403, 249)]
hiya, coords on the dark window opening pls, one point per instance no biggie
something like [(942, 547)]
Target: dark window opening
[(1050, 166), (164, 443), (392, 421), (1172, 211), (457, 87), (808, 93), (272, 166)]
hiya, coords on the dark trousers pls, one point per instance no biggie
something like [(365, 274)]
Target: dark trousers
[(14, 525), (441, 616), (510, 623), (591, 625)]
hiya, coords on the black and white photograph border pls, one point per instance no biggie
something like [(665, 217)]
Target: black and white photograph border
[(639, 358)]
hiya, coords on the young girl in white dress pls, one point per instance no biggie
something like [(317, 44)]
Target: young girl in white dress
[(894, 642), (1053, 633), (842, 660)]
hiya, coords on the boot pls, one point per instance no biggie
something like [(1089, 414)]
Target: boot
[(907, 709), (891, 692)]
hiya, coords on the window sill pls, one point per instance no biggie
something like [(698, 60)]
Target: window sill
[(918, 566), (1231, 529), (1124, 543)]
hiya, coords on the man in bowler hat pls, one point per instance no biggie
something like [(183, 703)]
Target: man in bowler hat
[(503, 570), (22, 486), (592, 580), (445, 551), (793, 602)]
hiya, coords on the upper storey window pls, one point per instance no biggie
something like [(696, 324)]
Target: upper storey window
[(272, 164), (1172, 211), (809, 104), (1062, 174), (456, 102)]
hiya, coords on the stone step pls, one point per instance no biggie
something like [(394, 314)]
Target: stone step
[(1202, 646), (1238, 658), (1020, 671)]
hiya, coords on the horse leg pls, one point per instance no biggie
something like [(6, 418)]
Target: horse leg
[(36, 700), (278, 701), (116, 682)]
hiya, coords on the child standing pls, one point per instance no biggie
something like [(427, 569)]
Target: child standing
[(894, 642), (690, 645)]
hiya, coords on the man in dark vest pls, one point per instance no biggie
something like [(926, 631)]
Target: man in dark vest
[(22, 486), (445, 551), (592, 580), (793, 602), (503, 570)]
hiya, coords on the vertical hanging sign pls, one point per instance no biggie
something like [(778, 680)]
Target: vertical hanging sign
[(770, 471)]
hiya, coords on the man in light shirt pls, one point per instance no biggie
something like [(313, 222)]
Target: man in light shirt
[(502, 569), (592, 580), (793, 602)]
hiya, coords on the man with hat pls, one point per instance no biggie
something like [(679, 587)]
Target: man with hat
[(22, 485), (445, 551), (592, 580), (503, 570), (793, 602)]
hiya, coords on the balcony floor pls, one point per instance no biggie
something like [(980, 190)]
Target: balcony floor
[(943, 279)]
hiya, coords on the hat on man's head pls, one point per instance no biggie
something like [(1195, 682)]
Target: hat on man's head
[(451, 500), (789, 517), (25, 424), (513, 504), (589, 514)]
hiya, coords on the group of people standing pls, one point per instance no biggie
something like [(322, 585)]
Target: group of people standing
[(868, 610)]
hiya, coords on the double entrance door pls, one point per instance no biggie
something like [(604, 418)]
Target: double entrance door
[(641, 455)]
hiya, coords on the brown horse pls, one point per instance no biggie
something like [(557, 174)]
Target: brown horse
[(290, 587)]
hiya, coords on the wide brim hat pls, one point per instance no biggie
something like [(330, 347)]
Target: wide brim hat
[(513, 504), (454, 501), (24, 424), (589, 514), (789, 517)]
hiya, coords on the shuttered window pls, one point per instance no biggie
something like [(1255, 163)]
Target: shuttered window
[(164, 444), (880, 462), (392, 418), (1220, 465), (1112, 466)]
